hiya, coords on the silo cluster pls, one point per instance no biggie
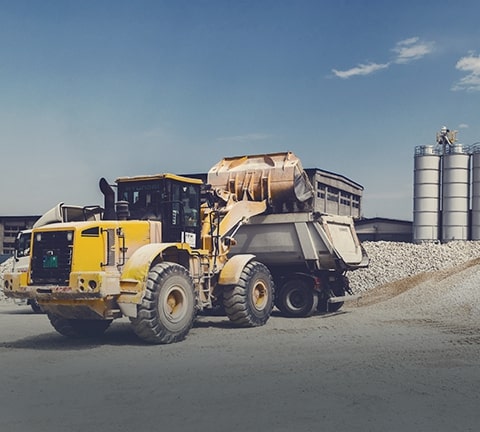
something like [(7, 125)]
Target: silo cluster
[(475, 213), (446, 198)]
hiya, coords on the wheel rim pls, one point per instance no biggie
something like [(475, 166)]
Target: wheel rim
[(259, 295), (175, 304), (296, 300)]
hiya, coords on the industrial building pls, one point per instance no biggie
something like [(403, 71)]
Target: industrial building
[(378, 228), (9, 228)]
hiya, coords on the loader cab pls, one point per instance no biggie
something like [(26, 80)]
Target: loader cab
[(171, 199)]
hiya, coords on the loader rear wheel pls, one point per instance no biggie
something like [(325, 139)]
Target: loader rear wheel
[(250, 302), (35, 306), (168, 310), (297, 299), (78, 328)]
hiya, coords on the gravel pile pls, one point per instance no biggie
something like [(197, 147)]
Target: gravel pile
[(392, 261), (5, 266)]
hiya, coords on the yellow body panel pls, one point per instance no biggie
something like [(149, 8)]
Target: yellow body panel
[(232, 270), (97, 261), (15, 285), (91, 252)]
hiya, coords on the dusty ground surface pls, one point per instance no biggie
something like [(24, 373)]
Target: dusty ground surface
[(406, 357)]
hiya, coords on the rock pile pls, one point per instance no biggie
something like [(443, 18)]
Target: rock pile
[(5, 266), (392, 261)]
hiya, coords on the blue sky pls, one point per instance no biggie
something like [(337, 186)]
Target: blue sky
[(114, 88)]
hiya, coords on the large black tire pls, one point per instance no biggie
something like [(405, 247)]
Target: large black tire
[(78, 328), (35, 306), (297, 299), (250, 303), (168, 308)]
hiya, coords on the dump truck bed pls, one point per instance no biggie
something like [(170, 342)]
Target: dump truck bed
[(326, 242)]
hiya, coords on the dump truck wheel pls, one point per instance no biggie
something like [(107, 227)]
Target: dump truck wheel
[(168, 308), (78, 328), (297, 299), (250, 303)]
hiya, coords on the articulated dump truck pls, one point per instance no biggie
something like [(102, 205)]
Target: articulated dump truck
[(307, 253), (167, 247)]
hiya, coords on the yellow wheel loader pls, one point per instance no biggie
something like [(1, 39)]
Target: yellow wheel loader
[(157, 256)]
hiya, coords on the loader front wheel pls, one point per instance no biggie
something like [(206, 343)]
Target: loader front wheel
[(250, 302), (78, 328), (168, 310), (297, 299)]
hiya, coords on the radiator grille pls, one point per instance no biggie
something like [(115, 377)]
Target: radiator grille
[(52, 257)]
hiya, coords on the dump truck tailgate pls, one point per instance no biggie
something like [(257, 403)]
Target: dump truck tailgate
[(294, 238)]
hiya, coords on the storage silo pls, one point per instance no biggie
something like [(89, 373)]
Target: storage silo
[(455, 193), (426, 193), (475, 223)]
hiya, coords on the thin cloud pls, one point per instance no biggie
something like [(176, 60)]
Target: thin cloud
[(470, 82), (362, 69), (245, 138), (411, 49), (406, 50)]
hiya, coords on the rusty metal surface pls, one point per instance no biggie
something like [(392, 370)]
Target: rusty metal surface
[(278, 178)]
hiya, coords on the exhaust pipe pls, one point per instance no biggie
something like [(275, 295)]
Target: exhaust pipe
[(109, 200)]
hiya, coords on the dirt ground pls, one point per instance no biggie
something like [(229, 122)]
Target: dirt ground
[(406, 357)]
